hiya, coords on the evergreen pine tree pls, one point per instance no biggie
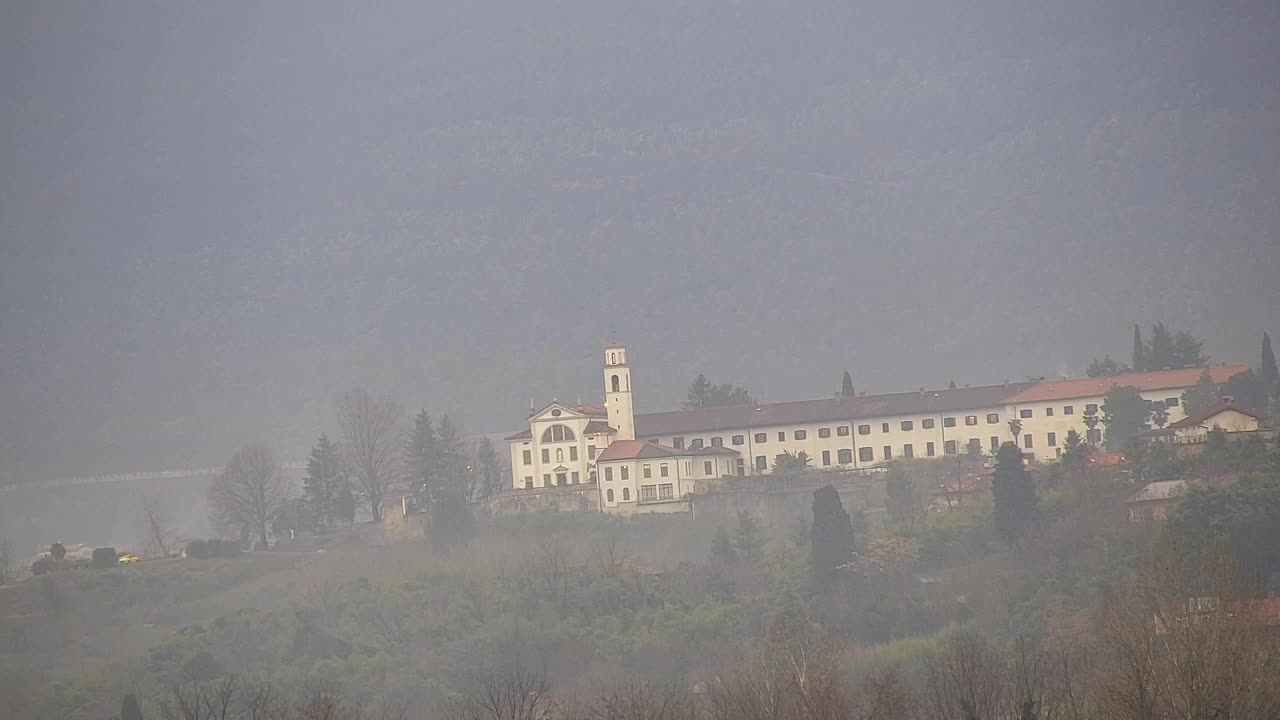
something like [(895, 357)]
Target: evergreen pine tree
[(450, 523), (321, 484), (488, 468), (130, 709), (699, 395), (722, 550), (422, 457), (344, 505), (1014, 493), (1139, 350), (952, 386), (846, 386), (1125, 413), (749, 538), (1201, 396), (831, 536), (453, 463)]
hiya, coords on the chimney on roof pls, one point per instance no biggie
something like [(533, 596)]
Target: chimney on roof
[(1227, 399), (921, 392)]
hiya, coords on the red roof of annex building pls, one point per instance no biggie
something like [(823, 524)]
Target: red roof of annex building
[(1095, 387), (635, 450), (1210, 412)]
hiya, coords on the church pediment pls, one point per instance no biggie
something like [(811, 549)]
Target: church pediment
[(561, 411)]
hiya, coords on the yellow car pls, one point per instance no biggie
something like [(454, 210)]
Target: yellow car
[(127, 559)]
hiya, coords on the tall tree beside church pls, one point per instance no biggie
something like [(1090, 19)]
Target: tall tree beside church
[(703, 393), (1200, 396), (1270, 374), (488, 468), (1139, 350), (1014, 493), (1125, 413), (323, 481), (422, 458), (453, 459), (831, 536), (846, 386)]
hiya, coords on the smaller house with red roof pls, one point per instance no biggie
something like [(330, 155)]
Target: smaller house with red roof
[(1188, 435), (640, 476)]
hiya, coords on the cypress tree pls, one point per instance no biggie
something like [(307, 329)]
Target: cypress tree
[(1269, 372), (722, 550), (846, 387), (321, 484), (831, 536), (422, 455), (1139, 350), (1014, 493), (130, 709)]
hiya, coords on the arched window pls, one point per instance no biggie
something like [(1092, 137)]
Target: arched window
[(613, 358), (608, 494), (626, 493), (616, 383), (557, 433)]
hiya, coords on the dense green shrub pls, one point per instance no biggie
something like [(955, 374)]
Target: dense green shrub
[(104, 557), (42, 565)]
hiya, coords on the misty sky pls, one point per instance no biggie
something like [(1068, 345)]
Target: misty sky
[(216, 216)]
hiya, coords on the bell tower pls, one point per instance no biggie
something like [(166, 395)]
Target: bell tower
[(617, 391)]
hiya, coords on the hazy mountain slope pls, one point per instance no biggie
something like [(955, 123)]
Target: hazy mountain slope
[(212, 216)]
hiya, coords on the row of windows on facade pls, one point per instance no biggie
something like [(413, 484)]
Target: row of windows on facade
[(562, 480), (648, 493), (950, 447), (905, 426), (527, 455)]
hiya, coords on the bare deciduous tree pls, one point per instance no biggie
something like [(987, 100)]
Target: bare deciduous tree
[(513, 696), (966, 680), (248, 492), (159, 534), (369, 427)]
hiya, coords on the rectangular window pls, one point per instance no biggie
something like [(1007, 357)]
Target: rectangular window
[(706, 468), (575, 477), (1053, 439), (801, 435), (573, 452), (662, 470), (762, 462), (826, 457), (528, 457), (928, 449), (695, 444), (995, 443), (1095, 436), (546, 479), (1068, 410), (975, 446), (717, 442), (646, 471), (782, 436), (948, 422), (884, 427), (742, 467), (1024, 413), (864, 429), (844, 457), (1048, 412), (993, 418), (949, 447), (866, 454), (677, 443), (1026, 441), (648, 492), (824, 432), (591, 452), (972, 420), (1091, 408), (608, 473), (546, 455), (927, 423), (688, 467), (842, 431), (528, 482), (666, 491), (908, 451), (1172, 402), (888, 453), (738, 439), (626, 472), (762, 437), (907, 426), (626, 494)]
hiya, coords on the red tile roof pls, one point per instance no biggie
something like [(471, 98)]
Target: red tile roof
[(735, 417), (1095, 387), (522, 435), (1209, 413), (635, 450)]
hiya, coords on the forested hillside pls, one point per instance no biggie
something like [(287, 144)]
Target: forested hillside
[(215, 217)]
